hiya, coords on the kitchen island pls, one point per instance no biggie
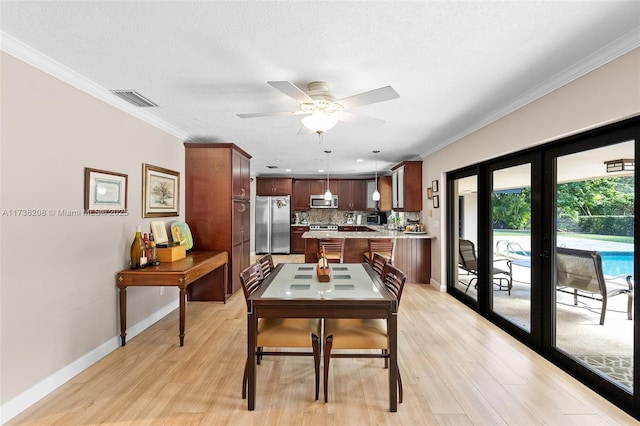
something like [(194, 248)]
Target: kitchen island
[(412, 252)]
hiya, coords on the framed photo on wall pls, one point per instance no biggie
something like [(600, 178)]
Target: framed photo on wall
[(160, 191), (104, 192), (436, 201), (434, 186)]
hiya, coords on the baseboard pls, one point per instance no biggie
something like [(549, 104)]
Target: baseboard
[(26, 399), (436, 284)]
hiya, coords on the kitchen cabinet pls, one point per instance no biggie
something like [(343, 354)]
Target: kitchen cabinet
[(301, 195), (218, 207), (384, 188), (407, 186), (351, 195), (297, 242), (274, 186)]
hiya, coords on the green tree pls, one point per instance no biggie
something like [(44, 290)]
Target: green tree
[(512, 210)]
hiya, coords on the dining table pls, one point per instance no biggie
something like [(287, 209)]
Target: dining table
[(293, 290)]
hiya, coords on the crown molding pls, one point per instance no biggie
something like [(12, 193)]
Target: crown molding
[(27, 54), (610, 52)]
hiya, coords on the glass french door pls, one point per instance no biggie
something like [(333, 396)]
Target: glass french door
[(594, 260), (553, 231)]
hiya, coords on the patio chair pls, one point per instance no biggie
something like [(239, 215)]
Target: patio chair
[(579, 272), (468, 262), (281, 332)]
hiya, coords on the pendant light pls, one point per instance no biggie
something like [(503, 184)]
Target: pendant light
[(327, 194), (376, 193)]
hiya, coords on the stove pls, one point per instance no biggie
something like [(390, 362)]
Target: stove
[(323, 227)]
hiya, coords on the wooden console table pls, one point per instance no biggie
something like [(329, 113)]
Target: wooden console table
[(180, 274)]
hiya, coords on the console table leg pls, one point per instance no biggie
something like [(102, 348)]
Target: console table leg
[(123, 316), (183, 297)]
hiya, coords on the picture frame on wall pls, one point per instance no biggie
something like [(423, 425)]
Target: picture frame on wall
[(429, 193), (104, 191), (434, 186), (160, 191), (436, 201)]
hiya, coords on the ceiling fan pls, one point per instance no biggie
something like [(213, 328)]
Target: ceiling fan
[(320, 108)]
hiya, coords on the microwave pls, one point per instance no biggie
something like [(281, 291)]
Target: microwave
[(318, 202), (377, 219)]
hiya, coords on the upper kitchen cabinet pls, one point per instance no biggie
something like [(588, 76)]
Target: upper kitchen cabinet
[(351, 195), (407, 186), (274, 186), (218, 210), (301, 194), (384, 188)]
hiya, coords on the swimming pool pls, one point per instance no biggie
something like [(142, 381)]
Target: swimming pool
[(617, 262)]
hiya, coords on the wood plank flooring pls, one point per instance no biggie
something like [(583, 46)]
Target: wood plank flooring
[(457, 369)]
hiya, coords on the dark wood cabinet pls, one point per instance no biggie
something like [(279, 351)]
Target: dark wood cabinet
[(274, 186), (217, 203), (301, 194), (407, 186), (297, 242), (351, 195)]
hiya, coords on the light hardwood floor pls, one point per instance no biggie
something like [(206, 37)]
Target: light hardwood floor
[(457, 369)]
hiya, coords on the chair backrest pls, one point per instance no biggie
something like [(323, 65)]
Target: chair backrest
[(334, 247), (393, 279), (580, 269), (377, 263), (467, 255), (251, 278), (381, 245), (266, 263)]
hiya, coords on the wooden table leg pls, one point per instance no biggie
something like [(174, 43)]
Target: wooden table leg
[(183, 303), (252, 329), (123, 316), (392, 327)]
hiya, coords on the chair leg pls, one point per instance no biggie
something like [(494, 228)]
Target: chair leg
[(315, 343), (400, 395), (328, 343), (630, 305), (386, 359), (245, 380), (604, 308)]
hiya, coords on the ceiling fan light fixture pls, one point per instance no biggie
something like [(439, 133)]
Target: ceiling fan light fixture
[(319, 122)]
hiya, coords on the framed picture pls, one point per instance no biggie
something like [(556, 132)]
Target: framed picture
[(434, 186), (436, 201), (104, 192), (159, 231), (160, 191), (429, 193)]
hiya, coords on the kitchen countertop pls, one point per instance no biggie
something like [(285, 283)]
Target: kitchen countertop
[(381, 232)]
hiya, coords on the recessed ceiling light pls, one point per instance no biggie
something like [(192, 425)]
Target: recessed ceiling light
[(287, 170), (321, 171), (359, 160)]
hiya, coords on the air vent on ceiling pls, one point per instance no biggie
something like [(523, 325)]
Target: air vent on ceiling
[(134, 98), (272, 167)]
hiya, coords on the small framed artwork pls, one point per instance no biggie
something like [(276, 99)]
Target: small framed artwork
[(160, 191), (434, 186), (159, 231), (429, 193), (436, 201), (104, 192)]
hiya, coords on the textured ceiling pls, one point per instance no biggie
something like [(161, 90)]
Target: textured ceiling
[(457, 66)]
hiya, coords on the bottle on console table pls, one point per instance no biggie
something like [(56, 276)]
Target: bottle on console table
[(137, 253)]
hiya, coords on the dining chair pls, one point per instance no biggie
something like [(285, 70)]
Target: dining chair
[(266, 263), (361, 333), (384, 246), (377, 263), (334, 249), (280, 332)]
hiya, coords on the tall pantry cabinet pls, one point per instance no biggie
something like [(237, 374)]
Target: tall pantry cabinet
[(218, 209)]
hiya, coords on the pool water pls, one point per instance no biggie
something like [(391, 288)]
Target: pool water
[(617, 262)]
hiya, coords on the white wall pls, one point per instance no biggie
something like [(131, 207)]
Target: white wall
[(608, 94), (58, 296)]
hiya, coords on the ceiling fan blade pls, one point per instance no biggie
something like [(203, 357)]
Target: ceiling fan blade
[(269, 114), (371, 97), (360, 120), (291, 90)]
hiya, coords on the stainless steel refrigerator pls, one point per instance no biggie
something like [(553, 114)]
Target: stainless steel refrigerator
[(273, 224)]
